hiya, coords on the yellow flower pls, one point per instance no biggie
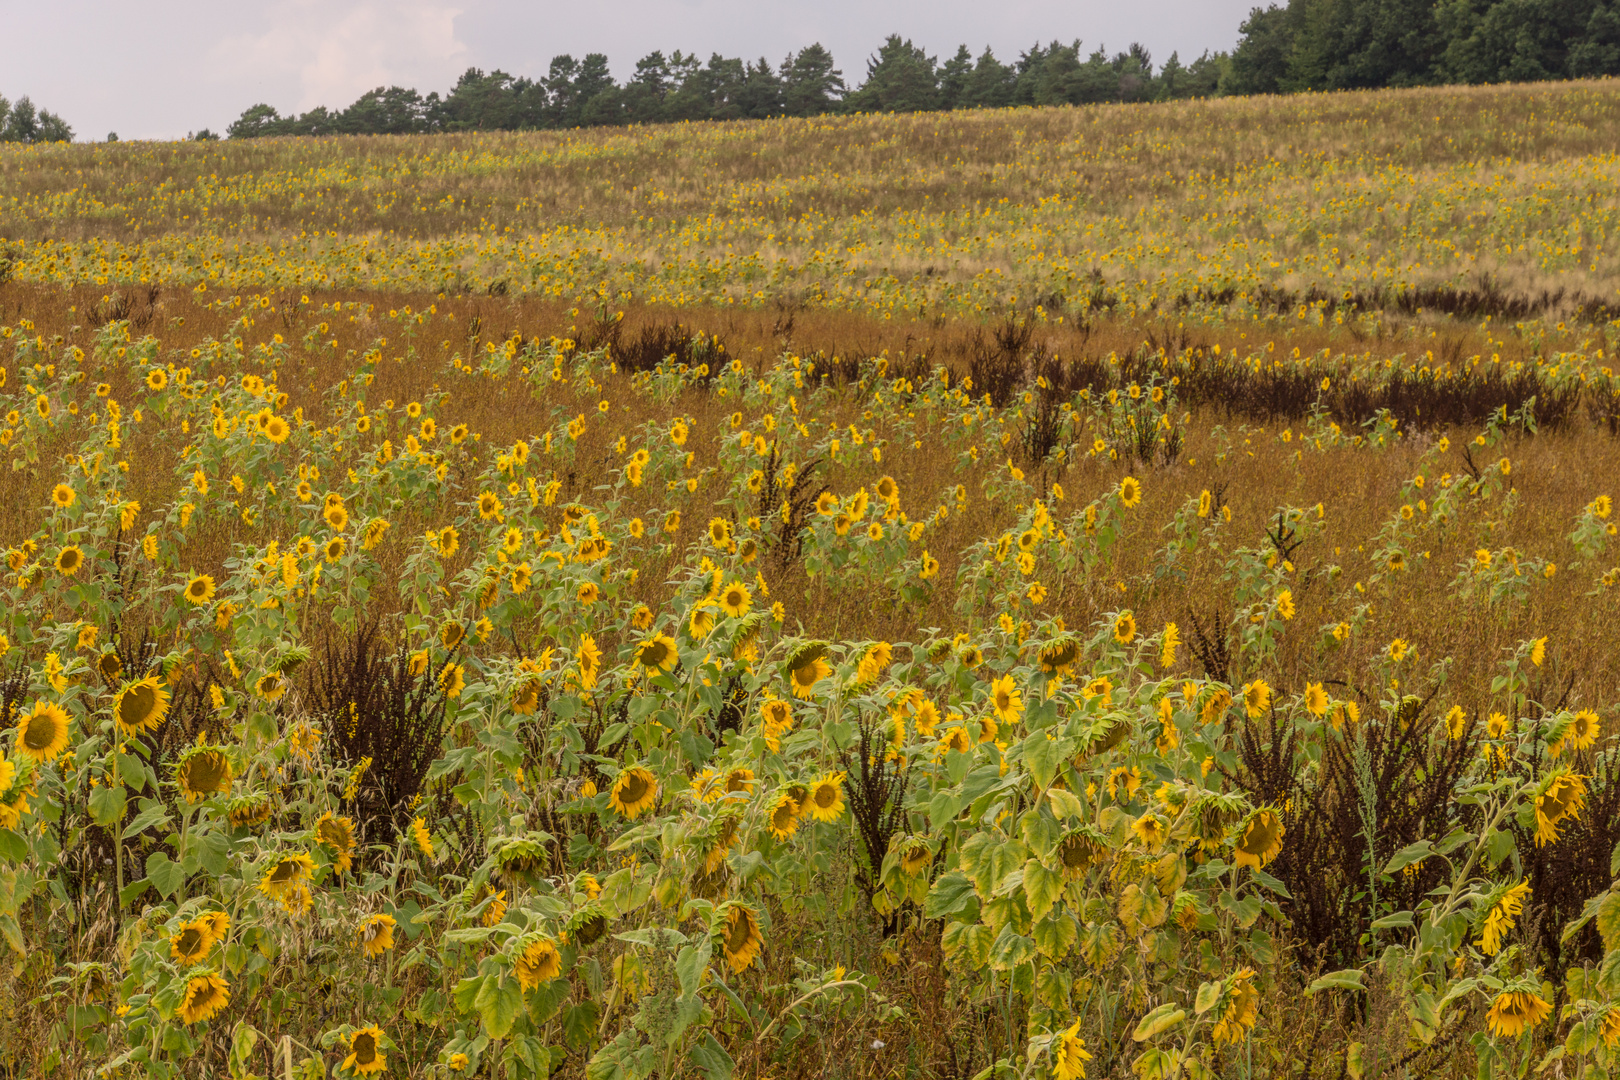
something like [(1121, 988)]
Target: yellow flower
[(1125, 628), (141, 706), (200, 589), (1005, 699), (69, 559), (366, 1055), (539, 962), (1069, 1054), (826, 800), (1515, 1012), (377, 935), (741, 940), (1242, 1009), (1256, 697), (1130, 492), (634, 792), (205, 995), (43, 733), (806, 674), (1561, 800), (420, 835), (1316, 699), (783, 818), (1259, 839), (63, 496), (1501, 917)]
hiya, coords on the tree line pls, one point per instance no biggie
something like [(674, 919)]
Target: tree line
[(25, 122), (902, 77), (1351, 44)]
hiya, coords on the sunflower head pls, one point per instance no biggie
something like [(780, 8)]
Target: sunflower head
[(376, 934), (336, 834), (783, 817), (1259, 839), (205, 995), (110, 666), (740, 938), (587, 926), (69, 559), (826, 798), (141, 706), (203, 771), (657, 654), (538, 962), (1078, 852), (366, 1053), (43, 734), (1057, 658), (634, 792)]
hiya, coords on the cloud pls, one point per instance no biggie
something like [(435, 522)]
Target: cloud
[(331, 53)]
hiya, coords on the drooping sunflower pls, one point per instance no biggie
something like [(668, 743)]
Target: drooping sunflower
[(337, 835), (421, 837), (634, 792), (270, 686), (1069, 1054), (538, 962), (286, 874), (1242, 1008), (376, 934), (783, 817), (1515, 1012), (1561, 799), (526, 697), (656, 654), (246, 811), (586, 926), (1501, 912), (141, 706), (1151, 830), (826, 801), (205, 995), (805, 672), (1005, 699), (203, 770), (916, 856), (1078, 852), (366, 1055), (191, 943), (1256, 697), (590, 662), (740, 939), (43, 733), (1058, 657), (1258, 840), (110, 666)]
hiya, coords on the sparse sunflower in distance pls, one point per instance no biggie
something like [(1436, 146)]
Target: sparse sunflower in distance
[(634, 792), (1130, 493)]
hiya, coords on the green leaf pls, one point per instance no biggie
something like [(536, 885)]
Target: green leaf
[(952, 894), (1164, 1018), (1042, 887), (711, 1058), (107, 804), (1400, 918), (1583, 1038), (132, 890), (690, 963), (13, 848), (167, 876), (1056, 935), (1208, 994), (155, 814), (579, 1024), (1348, 979), (1409, 855), (1065, 803), (1608, 921), (499, 1004), (1042, 755)]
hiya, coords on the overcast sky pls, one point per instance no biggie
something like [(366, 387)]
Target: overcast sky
[(162, 68)]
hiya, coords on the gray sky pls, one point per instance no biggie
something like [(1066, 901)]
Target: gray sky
[(165, 67)]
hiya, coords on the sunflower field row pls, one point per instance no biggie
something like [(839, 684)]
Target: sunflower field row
[(510, 713)]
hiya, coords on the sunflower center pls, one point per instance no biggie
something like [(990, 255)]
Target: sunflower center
[(826, 796), (634, 789), (189, 942), (138, 706), (40, 732), (365, 1048), (738, 933)]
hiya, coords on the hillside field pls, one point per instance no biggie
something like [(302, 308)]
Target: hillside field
[(1109, 591)]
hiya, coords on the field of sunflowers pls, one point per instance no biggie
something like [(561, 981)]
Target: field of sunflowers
[(1045, 593)]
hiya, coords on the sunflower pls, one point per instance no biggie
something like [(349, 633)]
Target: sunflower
[(337, 833), (539, 962), (205, 994), (634, 792), (741, 940), (377, 935), (336, 516), (365, 1051), (452, 680), (656, 654), (110, 665), (1515, 1012), (590, 662), (1125, 628), (735, 599), (63, 496), (43, 733), (915, 856), (335, 548), (722, 840), (1561, 800), (69, 559), (190, 944), (141, 706), (1584, 729), (1006, 700), (805, 672), (1056, 659), (737, 782), (203, 771), (1501, 916), (1256, 697), (826, 504), (1130, 492), (249, 810), (783, 817), (1069, 1054), (276, 429), (421, 837), (270, 685), (1259, 839), (1242, 1008), (1078, 853), (826, 801), (489, 506), (1316, 699), (526, 697), (586, 926), (200, 589), (1151, 830)]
